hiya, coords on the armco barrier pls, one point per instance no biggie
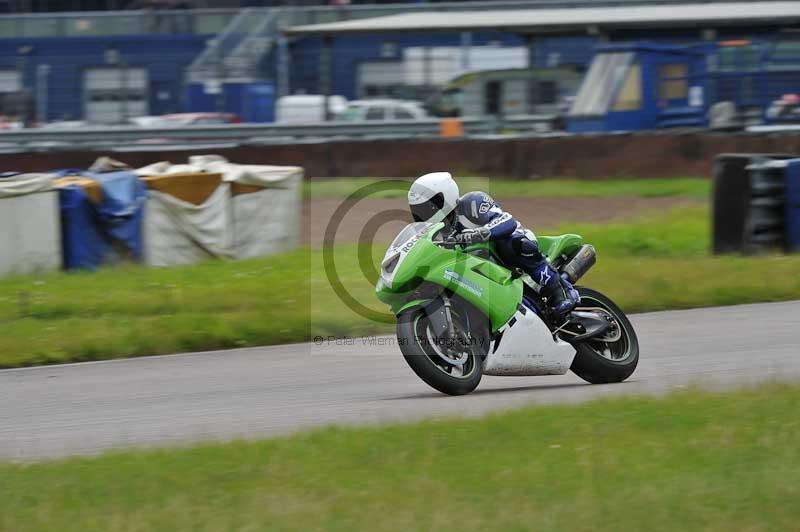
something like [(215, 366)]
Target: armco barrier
[(90, 136)]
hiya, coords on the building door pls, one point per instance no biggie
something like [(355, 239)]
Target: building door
[(112, 95), (379, 79), (15, 104), (493, 97)]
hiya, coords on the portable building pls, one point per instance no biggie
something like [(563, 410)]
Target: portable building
[(639, 86), (517, 91)]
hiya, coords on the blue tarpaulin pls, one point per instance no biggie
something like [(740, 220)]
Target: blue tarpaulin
[(93, 234)]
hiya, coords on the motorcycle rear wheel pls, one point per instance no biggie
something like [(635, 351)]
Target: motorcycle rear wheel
[(428, 356), (598, 361)]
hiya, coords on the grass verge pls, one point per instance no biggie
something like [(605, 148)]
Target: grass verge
[(545, 188), (659, 262), (687, 461)]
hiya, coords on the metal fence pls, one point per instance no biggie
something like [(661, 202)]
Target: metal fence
[(152, 138)]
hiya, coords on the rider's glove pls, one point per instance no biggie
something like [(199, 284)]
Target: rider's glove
[(472, 236)]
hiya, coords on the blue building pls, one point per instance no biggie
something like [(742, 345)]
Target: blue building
[(638, 86), (109, 66), (660, 66)]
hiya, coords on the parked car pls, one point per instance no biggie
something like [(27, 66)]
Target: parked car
[(67, 124), (185, 119), (785, 109), (383, 109), (307, 108), (7, 122)]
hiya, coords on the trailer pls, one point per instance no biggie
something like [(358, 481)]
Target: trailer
[(730, 84), (508, 92)]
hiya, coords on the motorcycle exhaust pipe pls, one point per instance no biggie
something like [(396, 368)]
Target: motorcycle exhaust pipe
[(580, 263)]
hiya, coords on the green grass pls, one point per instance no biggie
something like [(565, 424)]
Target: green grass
[(658, 262), (500, 188), (133, 311), (687, 461)]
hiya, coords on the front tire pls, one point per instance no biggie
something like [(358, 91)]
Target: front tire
[(613, 360), (428, 358)]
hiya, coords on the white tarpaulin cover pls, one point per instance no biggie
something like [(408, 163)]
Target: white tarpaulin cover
[(23, 184), (30, 227), (245, 174), (255, 211), (266, 221), (179, 232)]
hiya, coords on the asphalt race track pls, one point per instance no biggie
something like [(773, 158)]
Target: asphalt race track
[(85, 408)]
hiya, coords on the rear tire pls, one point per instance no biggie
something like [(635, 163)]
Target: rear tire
[(425, 357), (599, 362)]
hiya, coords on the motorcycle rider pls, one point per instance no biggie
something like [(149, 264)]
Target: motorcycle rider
[(476, 217)]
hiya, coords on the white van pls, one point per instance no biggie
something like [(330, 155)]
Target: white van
[(307, 108), (384, 109)]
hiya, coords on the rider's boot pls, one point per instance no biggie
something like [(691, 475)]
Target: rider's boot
[(561, 295)]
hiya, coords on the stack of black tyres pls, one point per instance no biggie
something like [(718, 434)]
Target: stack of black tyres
[(765, 224), (731, 196)]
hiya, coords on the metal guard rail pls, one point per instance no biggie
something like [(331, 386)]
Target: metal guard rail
[(244, 132)]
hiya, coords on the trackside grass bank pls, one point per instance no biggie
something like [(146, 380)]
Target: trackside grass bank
[(545, 188), (659, 262), (688, 461)]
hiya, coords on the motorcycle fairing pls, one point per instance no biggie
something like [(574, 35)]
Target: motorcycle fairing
[(525, 347), (554, 246), (487, 286)]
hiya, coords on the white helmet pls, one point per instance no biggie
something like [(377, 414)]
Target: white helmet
[(432, 197)]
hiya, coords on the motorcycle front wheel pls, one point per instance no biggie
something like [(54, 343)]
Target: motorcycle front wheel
[(451, 366), (612, 357)]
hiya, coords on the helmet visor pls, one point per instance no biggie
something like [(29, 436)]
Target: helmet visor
[(422, 212)]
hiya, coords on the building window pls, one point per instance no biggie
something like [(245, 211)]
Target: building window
[(785, 55), (672, 82), (605, 77), (545, 92), (630, 95), (388, 49), (733, 58)]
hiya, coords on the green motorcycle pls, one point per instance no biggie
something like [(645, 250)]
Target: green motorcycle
[(462, 315)]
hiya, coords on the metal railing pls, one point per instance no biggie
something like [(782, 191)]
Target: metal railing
[(111, 23), (211, 59), (60, 139), (243, 60)]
